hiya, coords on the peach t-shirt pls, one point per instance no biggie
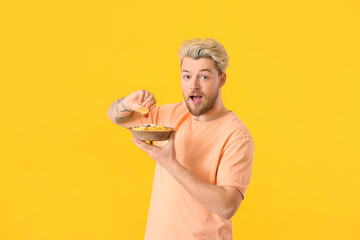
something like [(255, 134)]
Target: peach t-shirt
[(219, 152)]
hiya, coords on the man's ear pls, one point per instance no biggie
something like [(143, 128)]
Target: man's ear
[(222, 79)]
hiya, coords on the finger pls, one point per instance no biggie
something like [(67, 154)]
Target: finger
[(152, 103), (141, 94), (146, 96), (148, 100), (172, 137), (140, 144), (143, 145)]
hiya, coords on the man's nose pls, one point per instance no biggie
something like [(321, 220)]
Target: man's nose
[(195, 83)]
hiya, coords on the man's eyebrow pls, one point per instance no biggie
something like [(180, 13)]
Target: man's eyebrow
[(202, 70), (205, 69)]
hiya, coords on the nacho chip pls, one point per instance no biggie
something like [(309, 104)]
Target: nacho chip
[(143, 110)]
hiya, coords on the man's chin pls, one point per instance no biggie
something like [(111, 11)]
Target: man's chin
[(196, 114), (195, 110)]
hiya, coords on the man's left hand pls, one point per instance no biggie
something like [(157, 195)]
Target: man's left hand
[(165, 155)]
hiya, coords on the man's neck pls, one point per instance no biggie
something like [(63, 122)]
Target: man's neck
[(216, 112)]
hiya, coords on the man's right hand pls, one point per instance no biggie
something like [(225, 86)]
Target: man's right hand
[(140, 98), (121, 112)]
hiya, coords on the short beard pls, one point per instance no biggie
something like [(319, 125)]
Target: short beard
[(202, 109)]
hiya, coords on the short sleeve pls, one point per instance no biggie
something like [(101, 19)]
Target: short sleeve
[(235, 165)]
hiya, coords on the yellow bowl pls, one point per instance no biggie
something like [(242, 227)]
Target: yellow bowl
[(152, 135)]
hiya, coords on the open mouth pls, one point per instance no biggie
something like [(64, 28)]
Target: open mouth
[(196, 99)]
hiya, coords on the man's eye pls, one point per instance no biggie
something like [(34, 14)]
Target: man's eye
[(204, 77), (186, 77)]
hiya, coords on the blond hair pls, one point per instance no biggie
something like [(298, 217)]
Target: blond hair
[(208, 48)]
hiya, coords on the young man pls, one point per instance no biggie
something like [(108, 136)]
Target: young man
[(204, 169)]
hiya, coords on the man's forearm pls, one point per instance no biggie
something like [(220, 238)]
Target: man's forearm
[(224, 201), (119, 111)]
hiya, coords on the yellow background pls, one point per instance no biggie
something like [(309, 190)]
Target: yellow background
[(67, 172)]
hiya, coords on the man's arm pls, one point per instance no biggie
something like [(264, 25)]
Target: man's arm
[(224, 201), (121, 112)]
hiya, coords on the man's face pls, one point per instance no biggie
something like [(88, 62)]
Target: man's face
[(200, 83)]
